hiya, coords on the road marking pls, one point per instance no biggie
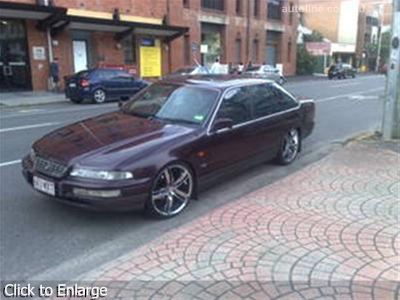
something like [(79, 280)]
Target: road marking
[(28, 127), (346, 84), (349, 95), (9, 163), (43, 111)]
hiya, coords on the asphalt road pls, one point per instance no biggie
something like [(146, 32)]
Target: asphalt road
[(43, 240)]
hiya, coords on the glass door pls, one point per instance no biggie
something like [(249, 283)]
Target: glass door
[(14, 58)]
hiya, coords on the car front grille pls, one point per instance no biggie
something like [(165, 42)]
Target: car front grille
[(50, 167)]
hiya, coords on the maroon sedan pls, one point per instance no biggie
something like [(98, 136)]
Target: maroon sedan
[(172, 139)]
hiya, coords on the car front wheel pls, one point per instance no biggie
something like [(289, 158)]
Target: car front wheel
[(171, 191), (99, 96), (290, 147)]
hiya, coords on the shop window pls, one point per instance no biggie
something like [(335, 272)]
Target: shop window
[(129, 48), (213, 4), (187, 49)]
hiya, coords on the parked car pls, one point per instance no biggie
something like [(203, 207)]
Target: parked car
[(194, 70), (341, 71), (266, 72), (101, 85), (170, 141)]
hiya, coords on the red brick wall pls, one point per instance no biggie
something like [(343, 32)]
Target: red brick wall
[(173, 56), (39, 68)]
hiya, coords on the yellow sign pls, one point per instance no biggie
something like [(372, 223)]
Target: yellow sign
[(150, 60)]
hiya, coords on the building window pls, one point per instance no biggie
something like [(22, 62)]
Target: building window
[(239, 7), (186, 3), (255, 51), (256, 11), (213, 4), (187, 49), (238, 50), (291, 12), (129, 48), (289, 51), (274, 9)]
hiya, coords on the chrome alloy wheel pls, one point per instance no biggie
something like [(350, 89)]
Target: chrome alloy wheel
[(172, 190), (99, 96), (290, 146)]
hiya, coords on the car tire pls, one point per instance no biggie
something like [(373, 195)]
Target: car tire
[(290, 147), (99, 96), (76, 100), (171, 191)]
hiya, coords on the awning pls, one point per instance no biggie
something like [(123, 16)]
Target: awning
[(58, 18), (28, 11)]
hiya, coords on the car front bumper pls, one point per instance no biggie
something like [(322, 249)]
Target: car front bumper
[(131, 196)]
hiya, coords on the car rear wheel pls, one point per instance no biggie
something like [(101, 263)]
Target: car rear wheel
[(290, 147), (171, 191), (99, 96)]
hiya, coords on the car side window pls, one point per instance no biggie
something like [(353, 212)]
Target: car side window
[(236, 106), (269, 99), (263, 101), (283, 100)]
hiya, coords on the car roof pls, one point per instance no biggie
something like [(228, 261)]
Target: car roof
[(215, 81)]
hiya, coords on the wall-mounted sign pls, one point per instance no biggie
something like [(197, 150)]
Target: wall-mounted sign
[(150, 59), (204, 49), (39, 53), (318, 48)]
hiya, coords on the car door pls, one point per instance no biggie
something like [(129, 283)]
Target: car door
[(230, 146), (277, 112), (108, 81)]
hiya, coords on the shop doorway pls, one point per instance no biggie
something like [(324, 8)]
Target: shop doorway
[(211, 37), (14, 56), (80, 53)]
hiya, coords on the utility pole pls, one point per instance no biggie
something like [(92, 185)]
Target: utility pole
[(391, 110), (378, 57)]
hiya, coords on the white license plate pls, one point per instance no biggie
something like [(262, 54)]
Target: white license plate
[(44, 186), (72, 85)]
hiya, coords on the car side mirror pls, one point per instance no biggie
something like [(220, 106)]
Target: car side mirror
[(120, 103), (222, 124)]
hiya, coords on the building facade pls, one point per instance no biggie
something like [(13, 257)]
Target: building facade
[(336, 20), (148, 38)]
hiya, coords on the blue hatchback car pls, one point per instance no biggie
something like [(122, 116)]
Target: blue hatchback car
[(100, 85)]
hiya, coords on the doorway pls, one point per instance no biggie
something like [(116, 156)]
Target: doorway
[(80, 54), (15, 72), (211, 35)]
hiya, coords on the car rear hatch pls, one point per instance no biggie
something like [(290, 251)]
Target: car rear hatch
[(73, 83)]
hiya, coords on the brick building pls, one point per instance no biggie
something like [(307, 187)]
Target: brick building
[(150, 38)]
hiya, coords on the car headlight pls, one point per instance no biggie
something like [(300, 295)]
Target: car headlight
[(104, 175), (32, 155)]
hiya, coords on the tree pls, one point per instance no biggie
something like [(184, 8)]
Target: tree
[(315, 36), (305, 61)]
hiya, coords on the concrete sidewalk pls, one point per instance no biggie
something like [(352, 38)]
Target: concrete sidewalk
[(329, 231), (30, 98)]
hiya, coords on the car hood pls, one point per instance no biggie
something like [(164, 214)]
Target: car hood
[(108, 140)]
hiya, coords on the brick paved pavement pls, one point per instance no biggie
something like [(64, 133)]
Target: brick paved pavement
[(329, 231)]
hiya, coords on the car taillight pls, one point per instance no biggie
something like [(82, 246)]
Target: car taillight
[(84, 83)]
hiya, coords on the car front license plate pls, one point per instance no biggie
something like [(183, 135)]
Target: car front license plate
[(72, 85), (44, 186)]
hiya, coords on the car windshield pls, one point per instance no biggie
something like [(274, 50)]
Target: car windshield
[(170, 102)]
